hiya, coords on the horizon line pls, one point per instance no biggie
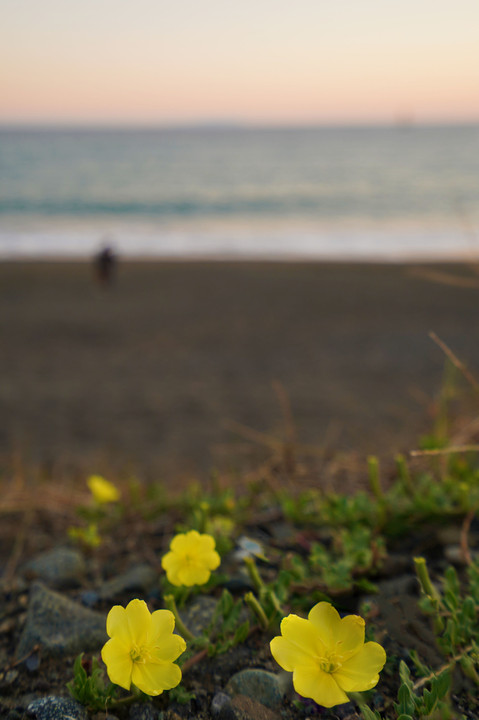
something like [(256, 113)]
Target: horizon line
[(399, 123)]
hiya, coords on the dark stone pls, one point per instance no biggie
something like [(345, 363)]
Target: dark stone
[(142, 711), (89, 598), (32, 663), (239, 584), (139, 578), (198, 615), (59, 625), (265, 687), (248, 709), (60, 568), (56, 708), (222, 708), (10, 677)]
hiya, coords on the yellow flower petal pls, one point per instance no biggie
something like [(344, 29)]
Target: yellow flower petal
[(153, 678), (311, 682), (102, 490), (194, 575), (287, 655), (349, 636), (169, 648), (173, 563), (211, 559), (117, 625), (206, 544), (299, 643), (184, 541), (139, 620), (118, 662), (326, 620), (162, 623), (361, 672), (302, 633)]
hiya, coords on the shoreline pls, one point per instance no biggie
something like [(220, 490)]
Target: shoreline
[(154, 373), (454, 260)]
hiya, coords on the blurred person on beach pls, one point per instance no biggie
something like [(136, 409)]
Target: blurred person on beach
[(105, 265)]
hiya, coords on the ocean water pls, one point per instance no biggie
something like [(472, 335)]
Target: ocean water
[(363, 193)]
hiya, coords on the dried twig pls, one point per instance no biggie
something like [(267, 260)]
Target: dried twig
[(464, 536), (445, 451), (19, 543), (455, 361), (443, 668)]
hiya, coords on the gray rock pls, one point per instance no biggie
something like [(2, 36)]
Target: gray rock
[(10, 677), (60, 568), (245, 708), (199, 613), (454, 554), (56, 708), (142, 711), (262, 686), (138, 578), (60, 625), (222, 707)]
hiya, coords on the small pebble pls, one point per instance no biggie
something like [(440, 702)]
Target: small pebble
[(142, 711), (89, 598), (56, 708), (265, 687), (10, 677), (222, 708), (32, 663), (60, 568)]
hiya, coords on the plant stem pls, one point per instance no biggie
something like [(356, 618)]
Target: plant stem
[(423, 577), (254, 574), (374, 482), (254, 605), (170, 603)]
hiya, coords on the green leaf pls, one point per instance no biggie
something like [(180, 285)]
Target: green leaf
[(226, 603), (469, 608), (241, 633), (443, 683), (405, 674), (369, 714), (418, 664), (232, 618), (79, 671), (406, 702), (429, 700)]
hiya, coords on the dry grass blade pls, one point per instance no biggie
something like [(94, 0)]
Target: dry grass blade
[(464, 536), (445, 451), (446, 278), (455, 361)]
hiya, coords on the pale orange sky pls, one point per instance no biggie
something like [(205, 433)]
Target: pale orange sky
[(258, 61)]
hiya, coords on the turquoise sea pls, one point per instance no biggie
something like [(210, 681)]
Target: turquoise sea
[(360, 193)]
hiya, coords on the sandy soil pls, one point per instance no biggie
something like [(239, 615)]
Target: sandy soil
[(150, 373)]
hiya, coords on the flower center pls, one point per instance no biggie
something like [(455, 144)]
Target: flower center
[(139, 653), (329, 664), (189, 559)]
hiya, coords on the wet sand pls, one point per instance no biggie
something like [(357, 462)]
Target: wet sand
[(151, 372)]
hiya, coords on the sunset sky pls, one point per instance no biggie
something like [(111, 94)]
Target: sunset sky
[(254, 61)]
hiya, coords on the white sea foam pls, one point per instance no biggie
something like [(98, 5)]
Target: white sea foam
[(255, 241)]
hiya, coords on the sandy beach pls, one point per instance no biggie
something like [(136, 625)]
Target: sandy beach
[(151, 374)]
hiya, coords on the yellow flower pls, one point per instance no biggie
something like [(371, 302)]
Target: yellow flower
[(142, 648), (88, 536), (191, 559), (102, 490), (327, 655)]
